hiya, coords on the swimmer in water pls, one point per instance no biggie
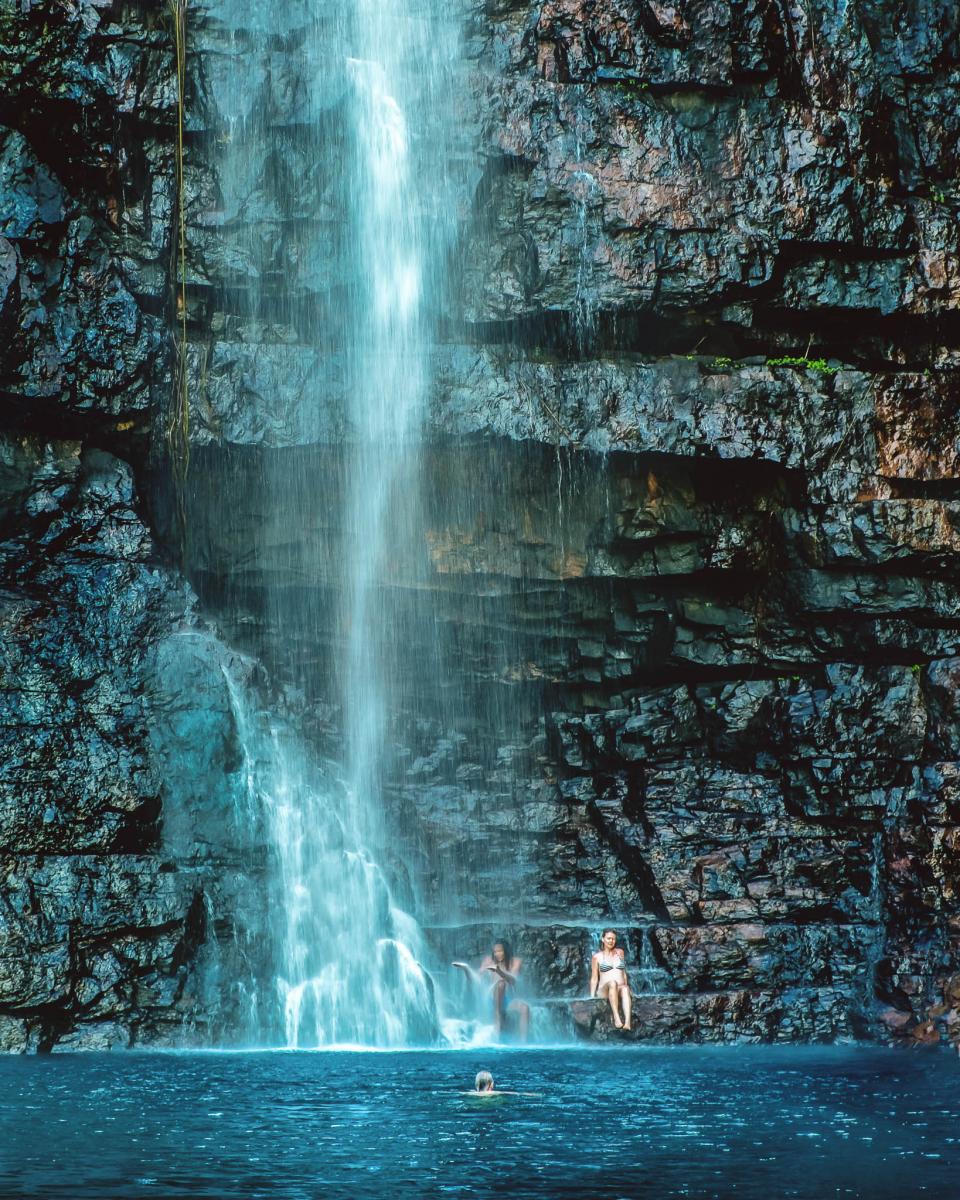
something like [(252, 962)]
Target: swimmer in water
[(483, 1086)]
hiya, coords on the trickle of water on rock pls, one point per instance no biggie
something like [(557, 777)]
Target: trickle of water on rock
[(587, 197)]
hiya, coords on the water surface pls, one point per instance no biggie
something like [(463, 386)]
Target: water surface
[(759, 1123)]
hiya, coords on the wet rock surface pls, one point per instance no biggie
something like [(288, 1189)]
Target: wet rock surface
[(114, 751), (698, 601), (115, 894)]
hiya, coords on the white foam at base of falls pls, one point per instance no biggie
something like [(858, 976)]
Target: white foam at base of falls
[(349, 959)]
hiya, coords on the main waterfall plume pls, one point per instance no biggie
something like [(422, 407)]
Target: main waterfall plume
[(376, 82)]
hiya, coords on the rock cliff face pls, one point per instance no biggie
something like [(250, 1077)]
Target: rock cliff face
[(117, 839), (699, 366)]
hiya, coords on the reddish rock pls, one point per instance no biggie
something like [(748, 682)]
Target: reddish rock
[(918, 427), (926, 1034), (896, 1021)]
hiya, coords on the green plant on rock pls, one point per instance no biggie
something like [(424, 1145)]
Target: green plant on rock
[(819, 365), (631, 87), (722, 362)]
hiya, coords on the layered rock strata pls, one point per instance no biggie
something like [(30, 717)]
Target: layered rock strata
[(691, 537)]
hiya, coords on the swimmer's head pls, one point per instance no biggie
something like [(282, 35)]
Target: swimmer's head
[(483, 1082)]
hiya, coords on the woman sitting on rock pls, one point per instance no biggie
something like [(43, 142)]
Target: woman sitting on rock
[(608, 975), (499, 971)]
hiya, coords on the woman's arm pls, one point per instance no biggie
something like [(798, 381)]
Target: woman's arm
[(594, 975), (468, 971), (506, 976)]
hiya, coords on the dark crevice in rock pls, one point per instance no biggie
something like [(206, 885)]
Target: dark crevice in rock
[(869, 341), (864, 338), (304, 312), (634, 807), (495, 167), (46, 420), (142, 933), (63, 134), (194, 932), (924, 489), (632, 859), (139, 832), (554, 333), (675, 34), (52, 1023), (743, 87)]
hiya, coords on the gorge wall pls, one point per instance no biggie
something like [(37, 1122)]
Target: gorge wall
[(700, 363)]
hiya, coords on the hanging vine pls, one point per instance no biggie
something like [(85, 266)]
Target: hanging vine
[(178, 424)]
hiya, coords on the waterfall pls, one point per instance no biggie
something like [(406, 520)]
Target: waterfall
[(328, 897), (387, 383), (372, 84)]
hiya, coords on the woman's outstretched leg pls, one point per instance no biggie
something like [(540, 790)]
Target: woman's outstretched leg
[(626, 1002), (499, 1013), (613, 995)]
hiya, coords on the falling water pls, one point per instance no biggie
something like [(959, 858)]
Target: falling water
[(587, 195), (349, 959), (329, 897), (387, 376)]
